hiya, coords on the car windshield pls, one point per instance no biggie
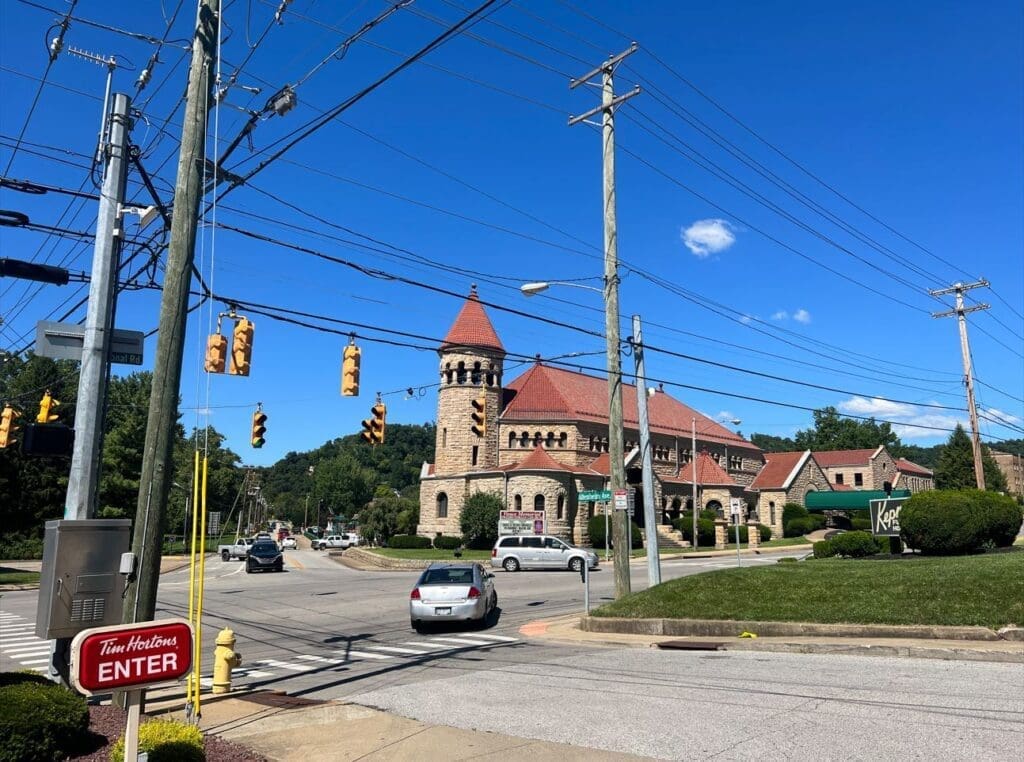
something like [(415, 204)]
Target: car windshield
[(264, 549), (447, 576)]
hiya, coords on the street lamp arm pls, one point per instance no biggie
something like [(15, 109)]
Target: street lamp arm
[(532, 289)]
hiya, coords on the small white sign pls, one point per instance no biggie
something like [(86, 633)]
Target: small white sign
[(735, 505), (621, 500)]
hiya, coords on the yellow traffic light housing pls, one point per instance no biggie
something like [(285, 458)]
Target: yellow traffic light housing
[(373, 427), (259, 427), (46, 405), (480, 415), (350, 370), (216, 353), (7, 427), (241, 347)]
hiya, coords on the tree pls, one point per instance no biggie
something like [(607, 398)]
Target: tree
[(479, 519), (955, 469), (770, 443), (834, 432), (387, 515), (343, 484)]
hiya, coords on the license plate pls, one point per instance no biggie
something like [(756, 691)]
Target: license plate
[(443, 611)]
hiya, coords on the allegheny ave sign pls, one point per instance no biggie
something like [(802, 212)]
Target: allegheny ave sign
[(131, 656)]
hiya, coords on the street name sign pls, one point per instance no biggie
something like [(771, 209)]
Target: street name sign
[(595, 495), (131, 656), (64, 341), (885, 516)]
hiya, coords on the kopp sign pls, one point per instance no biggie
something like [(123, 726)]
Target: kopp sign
[(885, 517), (131, 656)]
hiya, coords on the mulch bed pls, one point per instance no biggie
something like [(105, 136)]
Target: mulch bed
[(106, 723)]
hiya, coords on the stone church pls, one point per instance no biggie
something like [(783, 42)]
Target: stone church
[(546, 440)]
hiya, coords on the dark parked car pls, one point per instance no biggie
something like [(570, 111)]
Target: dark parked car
[(264, 556)]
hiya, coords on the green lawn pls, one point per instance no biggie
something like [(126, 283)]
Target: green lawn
[(179, 548), (431, 554), (986, 590), (15, 577)]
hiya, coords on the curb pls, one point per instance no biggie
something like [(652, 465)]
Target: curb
[(869, 649), (14, 588), (731, 628)]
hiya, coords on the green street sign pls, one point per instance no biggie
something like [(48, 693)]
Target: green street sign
[(595, 495)]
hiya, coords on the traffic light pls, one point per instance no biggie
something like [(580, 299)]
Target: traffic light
[(259, 427), (216, 353), (241, 347), (7, 427), (350, 371), (373, 428), (46, 404), (480, 415)]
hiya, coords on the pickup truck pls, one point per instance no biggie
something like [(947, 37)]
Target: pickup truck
[(239, 549), (342, 541)]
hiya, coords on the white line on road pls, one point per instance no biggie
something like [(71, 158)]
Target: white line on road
[(435, 646), (461, 641), (323, 659), (283, 665), (364, 655), (501, 638), (393, 649), (27, 652), (34, 661), (15, 627), (8, 641)]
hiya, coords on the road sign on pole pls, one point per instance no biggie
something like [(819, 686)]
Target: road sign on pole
[(595, 495), (621, 500)]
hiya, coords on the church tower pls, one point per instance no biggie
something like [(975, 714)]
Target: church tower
[(471, 366)]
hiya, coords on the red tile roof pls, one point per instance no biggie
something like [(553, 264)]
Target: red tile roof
[(778, 470), (709, 473), (539, 460), (842, 488), (472, 328), (546, 393), (602, 465), (907, 467), (830, 458)]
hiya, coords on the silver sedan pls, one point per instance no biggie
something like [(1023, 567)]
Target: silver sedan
[(452, 593)]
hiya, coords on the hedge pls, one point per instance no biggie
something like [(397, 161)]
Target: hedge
[(17, 548), (40, 721), (798, 527), (165, 741), (823, 549), (705, 529), (951, 522), (408, 542), (595, 529), (1001, 514), (446, 542), (854, 545)]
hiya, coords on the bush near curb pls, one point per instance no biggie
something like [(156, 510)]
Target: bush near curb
[(1002, 515), (952, 522), (408, 541), (18, 548), (705, 529), (165, 741), (595, 529), (823, 549), (40, 721), (854, 545), (446, 542)]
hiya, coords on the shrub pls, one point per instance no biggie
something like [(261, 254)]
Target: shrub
[(40, 721), (800, 526), (705, 529), (446, 542), (765, 531), (165, 741), (787, 560), (17, 548), (408, 541), (595, 528), (943, 522), (860, 525), (792, 511), (853, 545), (1000, 515), (823, 549), (479, 519)]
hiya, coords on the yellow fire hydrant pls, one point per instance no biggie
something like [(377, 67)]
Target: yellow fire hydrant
[(225, 658)]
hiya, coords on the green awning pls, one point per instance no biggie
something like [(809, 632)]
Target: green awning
[(848, 500)]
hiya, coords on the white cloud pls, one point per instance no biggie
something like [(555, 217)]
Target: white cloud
[(745, 319), (876, 407), (802, 316), (998, 415), (780, 315), (706, 237), (908, 421)]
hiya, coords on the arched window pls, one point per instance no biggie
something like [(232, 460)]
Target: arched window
[(771, 513), (676, 504), (538, 503), (518, 502), (549, 441), (442, 505), (563, 438), (475, 376), (560, 507), (448, 372), (511, 439), (714, 505), (460, 373), (524, 439), (537, 438)]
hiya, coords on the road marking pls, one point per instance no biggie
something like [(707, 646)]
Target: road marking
[(501, 638), (296, 563), (283, 665), (364, 655), (34, 661), (323, 659), (534, 628), (436, 646), (8, 641), (15, 627), (460, 641), (29, 652), (399, 650)]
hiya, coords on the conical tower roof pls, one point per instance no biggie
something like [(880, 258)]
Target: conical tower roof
[(472, 328)]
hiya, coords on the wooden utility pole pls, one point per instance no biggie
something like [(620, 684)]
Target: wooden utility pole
[(965, 350), (157, 470), (621, 536)]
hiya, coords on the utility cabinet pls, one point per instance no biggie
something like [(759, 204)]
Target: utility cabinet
[(81, 585)]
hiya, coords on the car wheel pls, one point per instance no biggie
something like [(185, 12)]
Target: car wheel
[(225, 556), (279, 567), (510, 564), (417, 626), (576, 564), (248, 569)]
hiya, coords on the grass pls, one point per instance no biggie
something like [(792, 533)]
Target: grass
[(16, 577), (985, 590), (179, 548), (431, 554)]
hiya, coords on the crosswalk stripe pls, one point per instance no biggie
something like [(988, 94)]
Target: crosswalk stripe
[(500, 638), (250, 673), (23, 650), (363, 655), (323, 659), (15, 627), (283, 665), (22, 638), (393, 649), (460, 641), (434, 646), (35, 661)]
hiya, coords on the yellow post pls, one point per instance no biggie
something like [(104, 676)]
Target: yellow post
[(192, 566), (202, 584)]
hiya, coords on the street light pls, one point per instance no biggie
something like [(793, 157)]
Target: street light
[(621, 534)]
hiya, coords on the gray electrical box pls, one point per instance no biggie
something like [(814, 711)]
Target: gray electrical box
[(80, 585)]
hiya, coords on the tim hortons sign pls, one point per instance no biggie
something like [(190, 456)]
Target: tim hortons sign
[(131, 656)]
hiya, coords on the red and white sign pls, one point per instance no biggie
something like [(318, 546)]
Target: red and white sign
[(131, 656)]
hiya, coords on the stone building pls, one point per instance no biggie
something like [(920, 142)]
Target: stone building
[(858, 469), (1012, 469), (913, 477), (787, 477), (546, 440)]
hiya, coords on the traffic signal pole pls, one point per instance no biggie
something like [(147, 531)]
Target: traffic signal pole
[(83, 481), (156, 476)]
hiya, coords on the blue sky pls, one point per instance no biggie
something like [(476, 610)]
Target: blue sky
[(912, 112)]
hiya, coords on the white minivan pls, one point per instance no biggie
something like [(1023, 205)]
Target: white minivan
[(539, 551)]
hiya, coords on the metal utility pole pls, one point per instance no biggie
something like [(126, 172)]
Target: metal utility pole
[(693, 461), (653, 560), (155, 479), (965, 350), (99, 322), (621, 536)]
